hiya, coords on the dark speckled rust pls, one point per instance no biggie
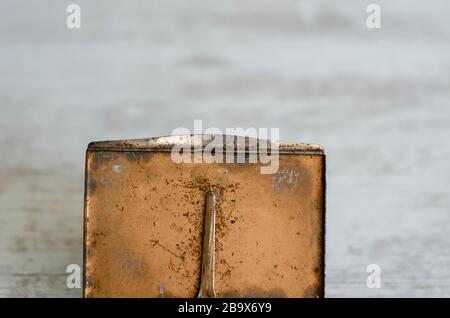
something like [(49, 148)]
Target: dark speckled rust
[(144, 218)]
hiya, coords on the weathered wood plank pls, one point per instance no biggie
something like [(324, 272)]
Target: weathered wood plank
[(377, 100)]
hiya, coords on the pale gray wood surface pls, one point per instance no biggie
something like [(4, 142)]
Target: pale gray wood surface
[(378, 100)]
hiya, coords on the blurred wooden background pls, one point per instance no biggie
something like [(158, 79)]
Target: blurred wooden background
[(378, 100)]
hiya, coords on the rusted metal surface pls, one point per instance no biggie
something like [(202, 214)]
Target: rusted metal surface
[(145, 224)]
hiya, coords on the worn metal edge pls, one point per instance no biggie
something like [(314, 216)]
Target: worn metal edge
[(167, 143), (324, 225), (85, 227)]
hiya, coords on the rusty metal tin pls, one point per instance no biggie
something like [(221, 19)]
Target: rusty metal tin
[(145, 216)]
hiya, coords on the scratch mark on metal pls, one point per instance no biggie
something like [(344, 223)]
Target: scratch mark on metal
[(209, 238)]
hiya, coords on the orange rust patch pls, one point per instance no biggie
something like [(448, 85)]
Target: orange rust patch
[(144, 223)]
